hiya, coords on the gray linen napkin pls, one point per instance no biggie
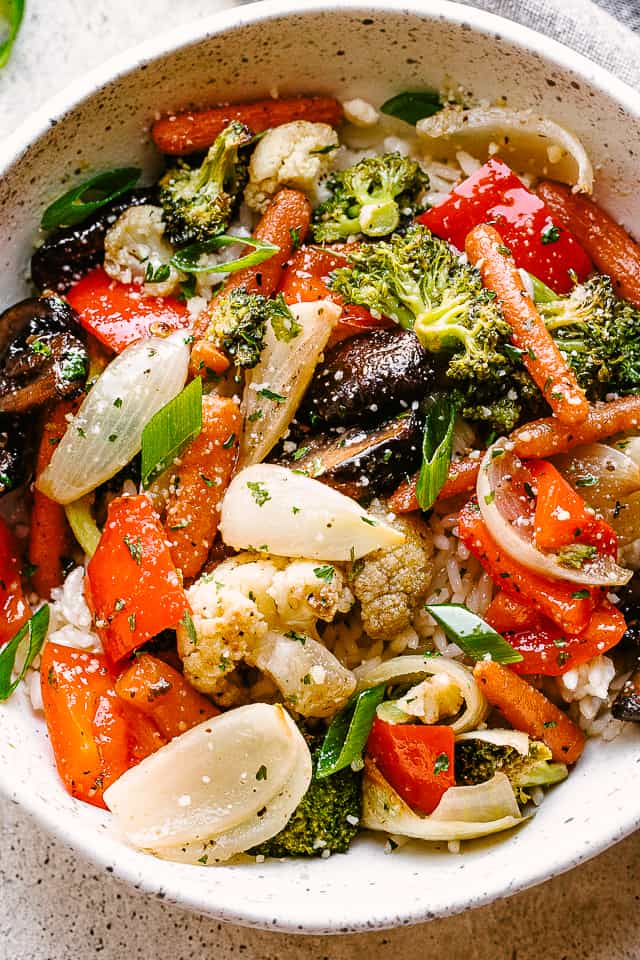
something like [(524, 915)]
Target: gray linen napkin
[(584, 26)]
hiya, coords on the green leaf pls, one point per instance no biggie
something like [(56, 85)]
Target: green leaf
[(12, 11), (188, 259), (436, 452), (412, 106), (35, 630), (349, 731), (77, 204), (471, 633), (157, 274), (170, 430)]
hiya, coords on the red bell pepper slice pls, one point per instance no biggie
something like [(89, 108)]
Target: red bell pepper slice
[(567, 604), (562, 517), (416, 760), (14, 609), (134, 588), (506, 614), (494, 194), (546, 650), (118, 314), (95, 735), (307, 279)]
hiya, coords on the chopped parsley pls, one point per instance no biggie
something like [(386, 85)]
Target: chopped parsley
[(270, 395), (135, 549), (325, 573), (550, 234), (442, 763), (157, 274), (259, 492), (262, 773)]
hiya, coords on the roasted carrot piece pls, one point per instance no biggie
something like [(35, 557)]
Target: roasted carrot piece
[(200, 482), (607, 243), (50, 538), (284, 223), (205, 356), (164, 696), (544, 438), (462, 478), (541, 356), (525, 708), (196, 130), (14, 609)]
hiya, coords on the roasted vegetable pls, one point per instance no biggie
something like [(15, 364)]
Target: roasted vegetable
[(326, 818), (370, 197), (479, 760), (363, 462), (13, 452), (626, 706), (599, 336), (70, 252), (41, 355), (198, 203), (365, 377)]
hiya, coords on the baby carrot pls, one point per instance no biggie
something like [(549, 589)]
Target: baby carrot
[(462, 478), (544, 438), (607, 243), (285, 223), (525, 708), (201, 479), (196, 130), (541, 356)]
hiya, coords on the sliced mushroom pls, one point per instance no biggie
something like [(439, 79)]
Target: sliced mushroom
[(364, 462), (365, 377), (70, 252), (626, 706), (42, 357)]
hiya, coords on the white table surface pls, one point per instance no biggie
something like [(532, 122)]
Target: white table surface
[(54, 906)]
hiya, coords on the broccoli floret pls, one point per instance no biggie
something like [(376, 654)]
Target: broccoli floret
[(477, 761), (370, 197), (599, 336), (326, 818), (418, 281), (239, 321), (198, 203), (238, 326)]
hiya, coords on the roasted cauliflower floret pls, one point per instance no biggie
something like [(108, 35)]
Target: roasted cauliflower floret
[(262, 612), (136, 251), (432, 699), (391, 583), (292, 155), (227, 626), (306, 591)]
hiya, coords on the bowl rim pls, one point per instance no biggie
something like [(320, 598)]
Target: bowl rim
[(261, 915)]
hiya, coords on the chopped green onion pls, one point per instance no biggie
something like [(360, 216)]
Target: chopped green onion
[(348, 733), (36, 630), (12, 11), (76, 205), (82, 524), (436, 452), (472, 633), (188, 259), (170, 430), (413, 106)]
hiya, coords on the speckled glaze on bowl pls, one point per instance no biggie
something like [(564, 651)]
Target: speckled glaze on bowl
[(369, 50)]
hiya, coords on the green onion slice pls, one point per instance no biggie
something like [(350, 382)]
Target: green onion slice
[(36, 630), (82, 524), (471, 633), (412, 106), (188, 259), (348, 732), (77, 204), (436, 452), (170, 430), (12, 11)]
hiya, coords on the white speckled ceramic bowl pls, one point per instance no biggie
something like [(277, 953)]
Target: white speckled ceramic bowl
[(371, 50)]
